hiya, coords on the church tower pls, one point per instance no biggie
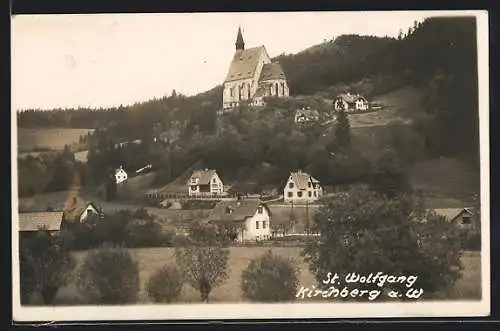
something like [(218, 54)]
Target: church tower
[(240, 44)]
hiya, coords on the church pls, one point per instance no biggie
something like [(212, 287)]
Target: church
[(252, 76)]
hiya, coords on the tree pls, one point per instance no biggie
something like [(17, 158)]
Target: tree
[(27, 276), (389, 175), (46, 264), (270, 278), (342, 130), (204, 261), (365, 232), (165, 285), (109, 275)]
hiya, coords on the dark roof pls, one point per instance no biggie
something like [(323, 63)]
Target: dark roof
[(240, 210), (35, 221), (271, 71), (204, 176), (301, 179), (351, 98), (244, 63)]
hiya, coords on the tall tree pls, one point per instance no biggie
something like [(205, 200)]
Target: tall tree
[(342, 130), (204, 262)]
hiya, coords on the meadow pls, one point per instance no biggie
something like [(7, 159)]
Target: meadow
[(28, 140), (150, 259)]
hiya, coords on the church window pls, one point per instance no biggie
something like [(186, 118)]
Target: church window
[(231, 91), (248, 89), (276, 91), (283, 88), (270, 90)]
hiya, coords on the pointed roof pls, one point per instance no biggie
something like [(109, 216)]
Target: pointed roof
[(271, 71), (240, 44), (244, 63), (301, 179), (204, 176), (234, 211)]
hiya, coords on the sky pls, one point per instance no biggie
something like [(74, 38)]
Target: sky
[(104, 60)]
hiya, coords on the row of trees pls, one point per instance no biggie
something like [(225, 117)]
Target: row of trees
[(361, 231)]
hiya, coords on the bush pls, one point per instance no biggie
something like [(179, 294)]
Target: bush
[(109, 275), (165, 285), (270, 278)]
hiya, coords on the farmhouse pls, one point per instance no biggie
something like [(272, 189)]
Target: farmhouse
[(32, 222), (250, 219), (306, 115), (350, 102), (205, 182), (463, 218), (120, 175), (252, 76), (302, 188)]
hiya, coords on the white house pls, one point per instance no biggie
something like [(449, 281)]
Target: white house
[(205, 182), (302, 188), (306, 115), (120, 175), (250, 219), (350, 102)]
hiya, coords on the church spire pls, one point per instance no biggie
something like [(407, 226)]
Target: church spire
[(240, 44)]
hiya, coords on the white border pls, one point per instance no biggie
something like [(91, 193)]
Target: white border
[(293, 310)]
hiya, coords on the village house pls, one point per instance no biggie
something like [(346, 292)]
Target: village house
[(350, 102), (32, 222), (302, 188), (120, 175), (463, 218), (306, 115), (205, 182), (252, 76), (78, 210), (250, 219)]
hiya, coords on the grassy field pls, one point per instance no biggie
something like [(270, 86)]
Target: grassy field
[(468, 287), (29, 139), (446, 183)]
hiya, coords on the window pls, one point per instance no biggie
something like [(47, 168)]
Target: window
[(310, 194), (290, 185), (193, 187), (257, 225), (259, 210), (231, 91), (263, 224), (290, 194), (248, 88), (214, 180), (315, 193), (309, 184), (466, 220), (299, 194)]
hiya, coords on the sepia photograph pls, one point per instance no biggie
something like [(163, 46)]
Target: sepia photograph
[(236, 166)]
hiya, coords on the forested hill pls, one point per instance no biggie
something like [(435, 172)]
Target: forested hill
[(437, 56)]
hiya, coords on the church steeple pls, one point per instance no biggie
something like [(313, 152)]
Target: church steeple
[(240, 44)]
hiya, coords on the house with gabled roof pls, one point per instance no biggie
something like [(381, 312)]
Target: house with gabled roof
[(32, 222), (205, 182), (250, 219), (302, 188), (463, 218), (252, 76), (350, 102)]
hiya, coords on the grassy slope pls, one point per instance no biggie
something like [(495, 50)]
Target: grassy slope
[(27, 139), (468, 287)]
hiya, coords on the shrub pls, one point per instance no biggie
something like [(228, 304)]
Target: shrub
[(165, 284), (270, 278), (109, 275)]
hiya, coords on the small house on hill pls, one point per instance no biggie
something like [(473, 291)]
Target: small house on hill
[(205, 182), (301, 188), (463, 218), (250, 219), (32, 222), (78, 210), (350, 102), (120, 175), (304, 115)]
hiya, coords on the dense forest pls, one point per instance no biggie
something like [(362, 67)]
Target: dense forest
[(437, 56)]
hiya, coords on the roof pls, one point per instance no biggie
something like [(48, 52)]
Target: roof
[(301, 179), (35, 221), (307, 112), (244, 63), (350, 98), (272, 71), (204, 176), (240, 210), (452, 213)]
